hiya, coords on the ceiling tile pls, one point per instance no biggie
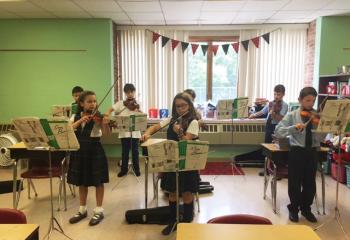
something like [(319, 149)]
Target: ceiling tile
[(179, 10), (305, 5), (292, 14), (19, 7), (71, 14), (99, 6), (123, 22), (224, 6), (268, 5), (321, 13), (146, 16), (287, 21), (182, 22), (111, 15), (52, 5), (216, 22), (337, 4), (140, 6), (218, 16), (248, 21), (149, 22), (254, 15)]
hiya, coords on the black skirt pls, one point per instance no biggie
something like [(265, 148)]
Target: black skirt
[(188, 181), (88, 166)]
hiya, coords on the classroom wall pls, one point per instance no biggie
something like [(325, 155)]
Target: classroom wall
[(334, 36), (73, 52)]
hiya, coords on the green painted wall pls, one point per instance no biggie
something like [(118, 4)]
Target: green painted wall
[(334, 36), (32, 81)]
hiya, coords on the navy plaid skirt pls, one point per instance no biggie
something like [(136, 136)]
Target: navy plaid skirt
[(88, 166)]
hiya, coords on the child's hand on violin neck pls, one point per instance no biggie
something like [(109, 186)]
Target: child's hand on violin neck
[(300, 126), (105, 119), (177, 128), (145, 137)]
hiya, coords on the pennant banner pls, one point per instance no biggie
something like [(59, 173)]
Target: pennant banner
[(174, 44), (225, 48), (204, 49), (184, 45), (165, 40), (245, 44), (214, 49), (194, 48), (256, 41), (266, 37), (236, 46), (155, 37)]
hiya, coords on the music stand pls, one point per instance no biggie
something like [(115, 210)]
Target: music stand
[(172, 156), (135, 122), (334, 118), (48, 135)]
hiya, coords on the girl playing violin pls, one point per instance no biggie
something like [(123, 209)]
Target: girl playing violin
[(129, 140), (88, 166), (185, 129), (302, 160)]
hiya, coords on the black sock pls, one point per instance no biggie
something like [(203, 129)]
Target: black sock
[(188, 212), (172, 207)]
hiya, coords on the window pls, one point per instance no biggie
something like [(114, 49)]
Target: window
[(213, 77)]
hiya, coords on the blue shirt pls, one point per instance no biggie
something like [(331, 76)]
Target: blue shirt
[(286, 128), (283, 112)]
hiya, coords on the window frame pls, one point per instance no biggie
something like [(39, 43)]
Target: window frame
[(209, 40)]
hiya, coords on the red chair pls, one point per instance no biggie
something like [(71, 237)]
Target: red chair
[(240, 219), (39, 169), (12, 216)]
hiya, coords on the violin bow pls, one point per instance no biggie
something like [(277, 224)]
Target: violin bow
[(110, 89)]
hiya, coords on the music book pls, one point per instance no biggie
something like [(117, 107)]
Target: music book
[(335, 116), (61, 110), (57, 133), (169, 155), (240, 107), (135, 122)]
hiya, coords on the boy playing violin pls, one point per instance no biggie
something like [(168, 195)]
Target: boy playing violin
[(128, 139), (302, 160)]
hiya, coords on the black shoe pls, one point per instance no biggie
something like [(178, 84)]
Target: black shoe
[(171, 227), (96, 219), (309, 216), (122, 174), (137, 173), (293, 216), (77, 217)]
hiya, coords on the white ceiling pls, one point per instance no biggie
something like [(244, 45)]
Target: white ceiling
[(180, 12)]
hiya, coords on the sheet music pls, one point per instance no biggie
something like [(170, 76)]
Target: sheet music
[(61, 110), (335, 116), (31, 132), (39, 133), (169, 155), (241, 108), (136, 122)]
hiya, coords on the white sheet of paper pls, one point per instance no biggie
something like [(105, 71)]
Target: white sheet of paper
[(335, 116)]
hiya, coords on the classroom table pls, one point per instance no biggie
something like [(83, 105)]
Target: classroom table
[(196, 231), (279, 156), (19, 232)]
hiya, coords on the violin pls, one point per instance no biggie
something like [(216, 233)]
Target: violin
[(131, 104), (310, 116), (275, 106), (97, 117)]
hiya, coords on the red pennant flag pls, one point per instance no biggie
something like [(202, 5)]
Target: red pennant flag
[(174, 44), (155, 37), (214, 49), (256, 41), (194, 48), (235, 46)]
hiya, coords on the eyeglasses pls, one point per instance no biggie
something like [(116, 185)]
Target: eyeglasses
[(181, 105)]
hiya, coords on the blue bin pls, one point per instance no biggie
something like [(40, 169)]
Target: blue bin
[(163, 113)]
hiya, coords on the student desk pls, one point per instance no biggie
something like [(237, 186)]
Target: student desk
[(195, 231), (19, 232), (279, 156), (19, 151)]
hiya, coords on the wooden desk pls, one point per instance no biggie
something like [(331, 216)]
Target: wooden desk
[(280, 157), (19, 232), (194, 231), (19, 151)]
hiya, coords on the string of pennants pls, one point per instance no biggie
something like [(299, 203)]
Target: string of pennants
[(213, 48)]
